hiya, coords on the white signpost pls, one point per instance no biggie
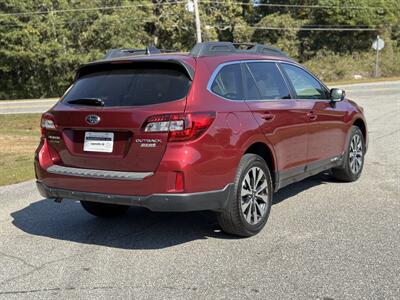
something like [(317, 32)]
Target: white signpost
[(377, 45)]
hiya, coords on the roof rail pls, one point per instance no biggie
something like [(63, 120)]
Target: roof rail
[(121, 52), (223, 48)]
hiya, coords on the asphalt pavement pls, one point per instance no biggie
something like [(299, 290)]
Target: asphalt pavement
[(324, 239), (26, 106)]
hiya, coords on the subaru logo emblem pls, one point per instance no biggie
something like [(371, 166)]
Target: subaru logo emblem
[(92, 119)]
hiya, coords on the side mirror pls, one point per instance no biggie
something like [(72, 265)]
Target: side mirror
[(337, 95)]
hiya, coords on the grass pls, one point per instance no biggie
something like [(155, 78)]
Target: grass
[(19, 137)]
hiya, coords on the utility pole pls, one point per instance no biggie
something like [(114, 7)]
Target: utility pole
[(197, 19), (377, 62)]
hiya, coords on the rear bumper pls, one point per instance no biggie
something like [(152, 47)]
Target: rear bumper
[(211, 200)]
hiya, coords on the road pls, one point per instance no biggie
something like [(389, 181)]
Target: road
[(26, 106), (324, 239)]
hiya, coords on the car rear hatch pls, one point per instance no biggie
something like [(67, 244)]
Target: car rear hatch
[(99, 122)]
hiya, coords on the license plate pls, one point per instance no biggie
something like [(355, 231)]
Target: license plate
[(98, 142)]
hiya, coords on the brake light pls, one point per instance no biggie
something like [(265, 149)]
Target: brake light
[(46, 123), (180, 127)]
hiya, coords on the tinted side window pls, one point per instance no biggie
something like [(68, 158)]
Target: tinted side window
[(228, 82), (252, 91), (305, 86), (269, 82)]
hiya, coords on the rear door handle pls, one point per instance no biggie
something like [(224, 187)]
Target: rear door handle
[(312, 116), (267, 116)]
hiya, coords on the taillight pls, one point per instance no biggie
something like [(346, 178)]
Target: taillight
[(180, 127), (47, 122)]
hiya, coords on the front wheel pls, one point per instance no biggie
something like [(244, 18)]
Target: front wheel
[(353, 159), (247, 212), (104, 210)]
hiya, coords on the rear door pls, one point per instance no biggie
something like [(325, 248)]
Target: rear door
[(280, 118), (111, 137), (327, 132)]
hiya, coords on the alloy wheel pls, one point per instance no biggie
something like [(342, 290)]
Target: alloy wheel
[(355, 154), (254, 195)]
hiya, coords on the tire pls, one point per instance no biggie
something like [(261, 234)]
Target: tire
[(247, 215), (104, 210), (353, 162)]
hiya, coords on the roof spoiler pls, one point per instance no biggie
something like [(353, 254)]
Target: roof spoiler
[(121, 52), (88, 68)]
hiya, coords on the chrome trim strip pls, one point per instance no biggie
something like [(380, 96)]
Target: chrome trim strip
[(102, 174), (276, 61)]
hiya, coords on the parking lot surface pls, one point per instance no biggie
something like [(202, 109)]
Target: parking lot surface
[(26, 106), (324, 239)]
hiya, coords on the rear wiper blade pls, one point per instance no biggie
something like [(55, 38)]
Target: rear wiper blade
[(87, 101)]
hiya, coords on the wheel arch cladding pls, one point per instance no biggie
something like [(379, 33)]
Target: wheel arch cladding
[(265, 152), (360, 124)]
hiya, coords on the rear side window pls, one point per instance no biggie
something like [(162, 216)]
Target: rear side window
[(124, 86), (305, 86), (228, 82), (265, 82)]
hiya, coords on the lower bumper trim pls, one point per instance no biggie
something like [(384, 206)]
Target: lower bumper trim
[(211, 200), (61, 170)]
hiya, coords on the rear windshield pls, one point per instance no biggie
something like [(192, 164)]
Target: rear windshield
[(131, 86)]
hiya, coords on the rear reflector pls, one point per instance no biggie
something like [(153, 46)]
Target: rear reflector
[(179, 182), (181, 127)]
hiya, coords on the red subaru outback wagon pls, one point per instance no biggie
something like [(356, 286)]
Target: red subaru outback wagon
[(221, 128)]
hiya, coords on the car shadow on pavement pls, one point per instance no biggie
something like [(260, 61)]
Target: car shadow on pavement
[(138, 229), (301, 186)]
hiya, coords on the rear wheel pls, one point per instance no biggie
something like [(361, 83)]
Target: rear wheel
[(247, 212), (354, 158), (104, 210)]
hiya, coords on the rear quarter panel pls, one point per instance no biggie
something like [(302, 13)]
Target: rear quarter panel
[(219, 151)]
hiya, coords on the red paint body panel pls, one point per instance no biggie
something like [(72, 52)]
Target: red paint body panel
[(207, 163)]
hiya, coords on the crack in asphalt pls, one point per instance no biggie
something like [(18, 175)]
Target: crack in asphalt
[(387, 135), (38, 268), (17, 258), (165, 287), (95, 288)]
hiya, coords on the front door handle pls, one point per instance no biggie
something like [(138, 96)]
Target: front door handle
[(312, 116)]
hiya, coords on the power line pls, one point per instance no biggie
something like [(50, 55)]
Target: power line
[(307, 27), (57, 11), (297, 28), (314, 28), (292, 5), (185, 2), (34, 24)]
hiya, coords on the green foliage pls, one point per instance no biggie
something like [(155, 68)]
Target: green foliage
[(40, 51), (174, 27), (284, 39), (226, 21)]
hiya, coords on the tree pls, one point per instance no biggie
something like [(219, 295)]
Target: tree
[(287, 40), (40, 51)]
